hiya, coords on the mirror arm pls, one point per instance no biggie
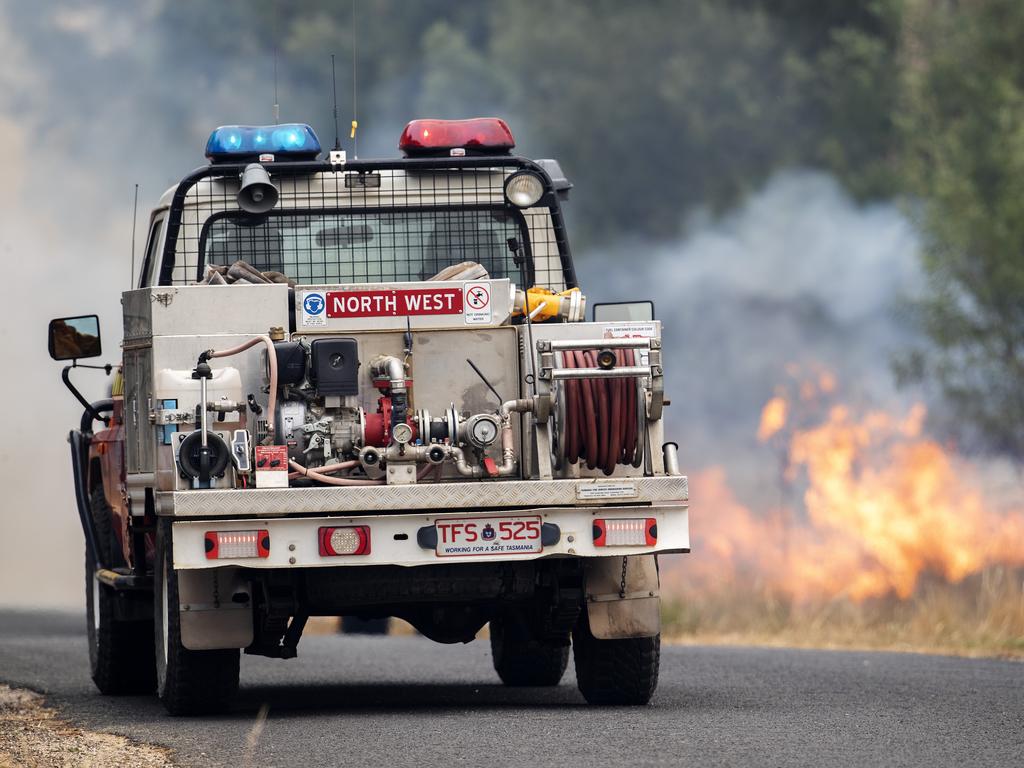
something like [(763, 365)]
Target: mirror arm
[(65, 376), (107, 368)]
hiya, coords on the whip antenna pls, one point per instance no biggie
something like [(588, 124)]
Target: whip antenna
[(277, 108), (355, 114), (135, 218), (334, 84)]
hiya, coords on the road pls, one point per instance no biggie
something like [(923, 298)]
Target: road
[(400, 701)]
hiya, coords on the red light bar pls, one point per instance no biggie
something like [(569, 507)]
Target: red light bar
[(626, 532), (231, 545), (346, 540), (481, 135)]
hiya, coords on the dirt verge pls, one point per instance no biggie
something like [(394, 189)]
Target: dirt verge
[(32, 736)]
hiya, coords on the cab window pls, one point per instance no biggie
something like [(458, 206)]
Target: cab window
[(151, 263)]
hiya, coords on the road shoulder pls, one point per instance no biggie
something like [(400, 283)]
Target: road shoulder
[(31, 734)]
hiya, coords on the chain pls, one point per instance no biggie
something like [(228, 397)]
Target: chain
[(622, 582), (216, 590)]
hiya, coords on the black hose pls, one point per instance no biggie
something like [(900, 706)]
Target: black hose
[(79, 448), (93, 412)]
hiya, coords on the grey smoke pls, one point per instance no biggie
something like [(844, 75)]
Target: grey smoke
[(89, 106), (797, 274)]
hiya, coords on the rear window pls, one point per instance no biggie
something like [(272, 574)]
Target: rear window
[(365, 247)]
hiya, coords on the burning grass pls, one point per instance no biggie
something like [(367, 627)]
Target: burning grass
[(983, 615), (872, 534)]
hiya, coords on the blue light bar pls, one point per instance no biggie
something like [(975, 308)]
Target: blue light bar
[(235, 142)]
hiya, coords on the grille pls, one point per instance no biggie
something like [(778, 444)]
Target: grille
[(369, 222)]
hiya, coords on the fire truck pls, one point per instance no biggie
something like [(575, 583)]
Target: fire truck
[(369, 389)]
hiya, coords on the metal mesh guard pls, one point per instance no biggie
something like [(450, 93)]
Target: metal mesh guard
[(390, 224)]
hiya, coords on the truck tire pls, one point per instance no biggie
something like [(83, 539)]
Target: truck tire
[(120, 652), (188, 682), (522, 660), (615, 671)]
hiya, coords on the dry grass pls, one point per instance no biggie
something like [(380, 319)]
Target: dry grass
[(981, 616), (32, 736)]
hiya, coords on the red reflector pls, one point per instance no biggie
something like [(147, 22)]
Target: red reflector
[(485, 134), (231, 545), (626, 532), (348, 540)]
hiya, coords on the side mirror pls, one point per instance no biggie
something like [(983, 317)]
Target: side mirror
[(616, 311), (72, 338)]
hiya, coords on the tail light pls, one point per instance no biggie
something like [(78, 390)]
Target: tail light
[(233, 545), (347, 540), (626, 532)]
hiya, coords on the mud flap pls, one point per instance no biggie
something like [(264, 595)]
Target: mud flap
[(210, 616), (619, 609)]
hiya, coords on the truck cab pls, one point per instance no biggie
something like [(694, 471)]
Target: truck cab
[(368, 388)]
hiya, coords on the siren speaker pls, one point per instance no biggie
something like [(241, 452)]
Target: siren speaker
[(257, 194)]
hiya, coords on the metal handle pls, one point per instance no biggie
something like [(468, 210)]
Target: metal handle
[(625, 372), (567, 344)]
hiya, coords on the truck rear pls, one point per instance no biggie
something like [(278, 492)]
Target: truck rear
[(367, 388)]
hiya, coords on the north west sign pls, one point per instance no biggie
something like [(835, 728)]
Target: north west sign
[(393, 303)]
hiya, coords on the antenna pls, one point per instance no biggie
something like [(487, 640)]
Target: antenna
[(334, 84), (355, 114), (484, 379), (276, 32), (277, 108), (135, 218)]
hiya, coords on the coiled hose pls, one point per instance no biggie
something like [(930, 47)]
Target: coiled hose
[(600, 414)]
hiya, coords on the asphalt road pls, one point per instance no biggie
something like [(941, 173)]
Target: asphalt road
[(398, 701)]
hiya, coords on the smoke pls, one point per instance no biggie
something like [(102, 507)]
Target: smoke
[(798, 277), (88, 108), (94, 98)]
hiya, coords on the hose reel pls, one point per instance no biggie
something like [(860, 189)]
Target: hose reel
[(599, 420)]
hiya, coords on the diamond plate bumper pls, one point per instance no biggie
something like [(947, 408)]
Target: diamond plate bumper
[(468, 496)]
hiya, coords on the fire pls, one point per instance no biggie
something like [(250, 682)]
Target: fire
[(869, 503), (773, 417)]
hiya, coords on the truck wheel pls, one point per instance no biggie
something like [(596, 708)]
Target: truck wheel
[(615, 671), (120, 652), (522, 660), (188, 682)]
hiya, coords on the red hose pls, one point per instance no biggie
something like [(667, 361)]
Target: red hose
[(600, 414)]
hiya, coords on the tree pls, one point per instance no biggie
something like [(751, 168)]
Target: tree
[(964, 134)]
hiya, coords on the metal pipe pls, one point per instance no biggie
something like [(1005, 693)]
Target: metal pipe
[(670, 451), (418, 453), (390, 367), (463, 467), (509, 462), (225, 406), (625, 372), (95, 409), (522, 405), (582, 344)]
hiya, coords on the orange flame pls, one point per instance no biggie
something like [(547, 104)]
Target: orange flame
[(773, 418), (872, 505)]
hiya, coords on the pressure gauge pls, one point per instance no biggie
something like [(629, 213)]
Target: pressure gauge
[(402, 433)]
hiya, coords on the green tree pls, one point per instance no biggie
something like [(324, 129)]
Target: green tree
[(964, 132)]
